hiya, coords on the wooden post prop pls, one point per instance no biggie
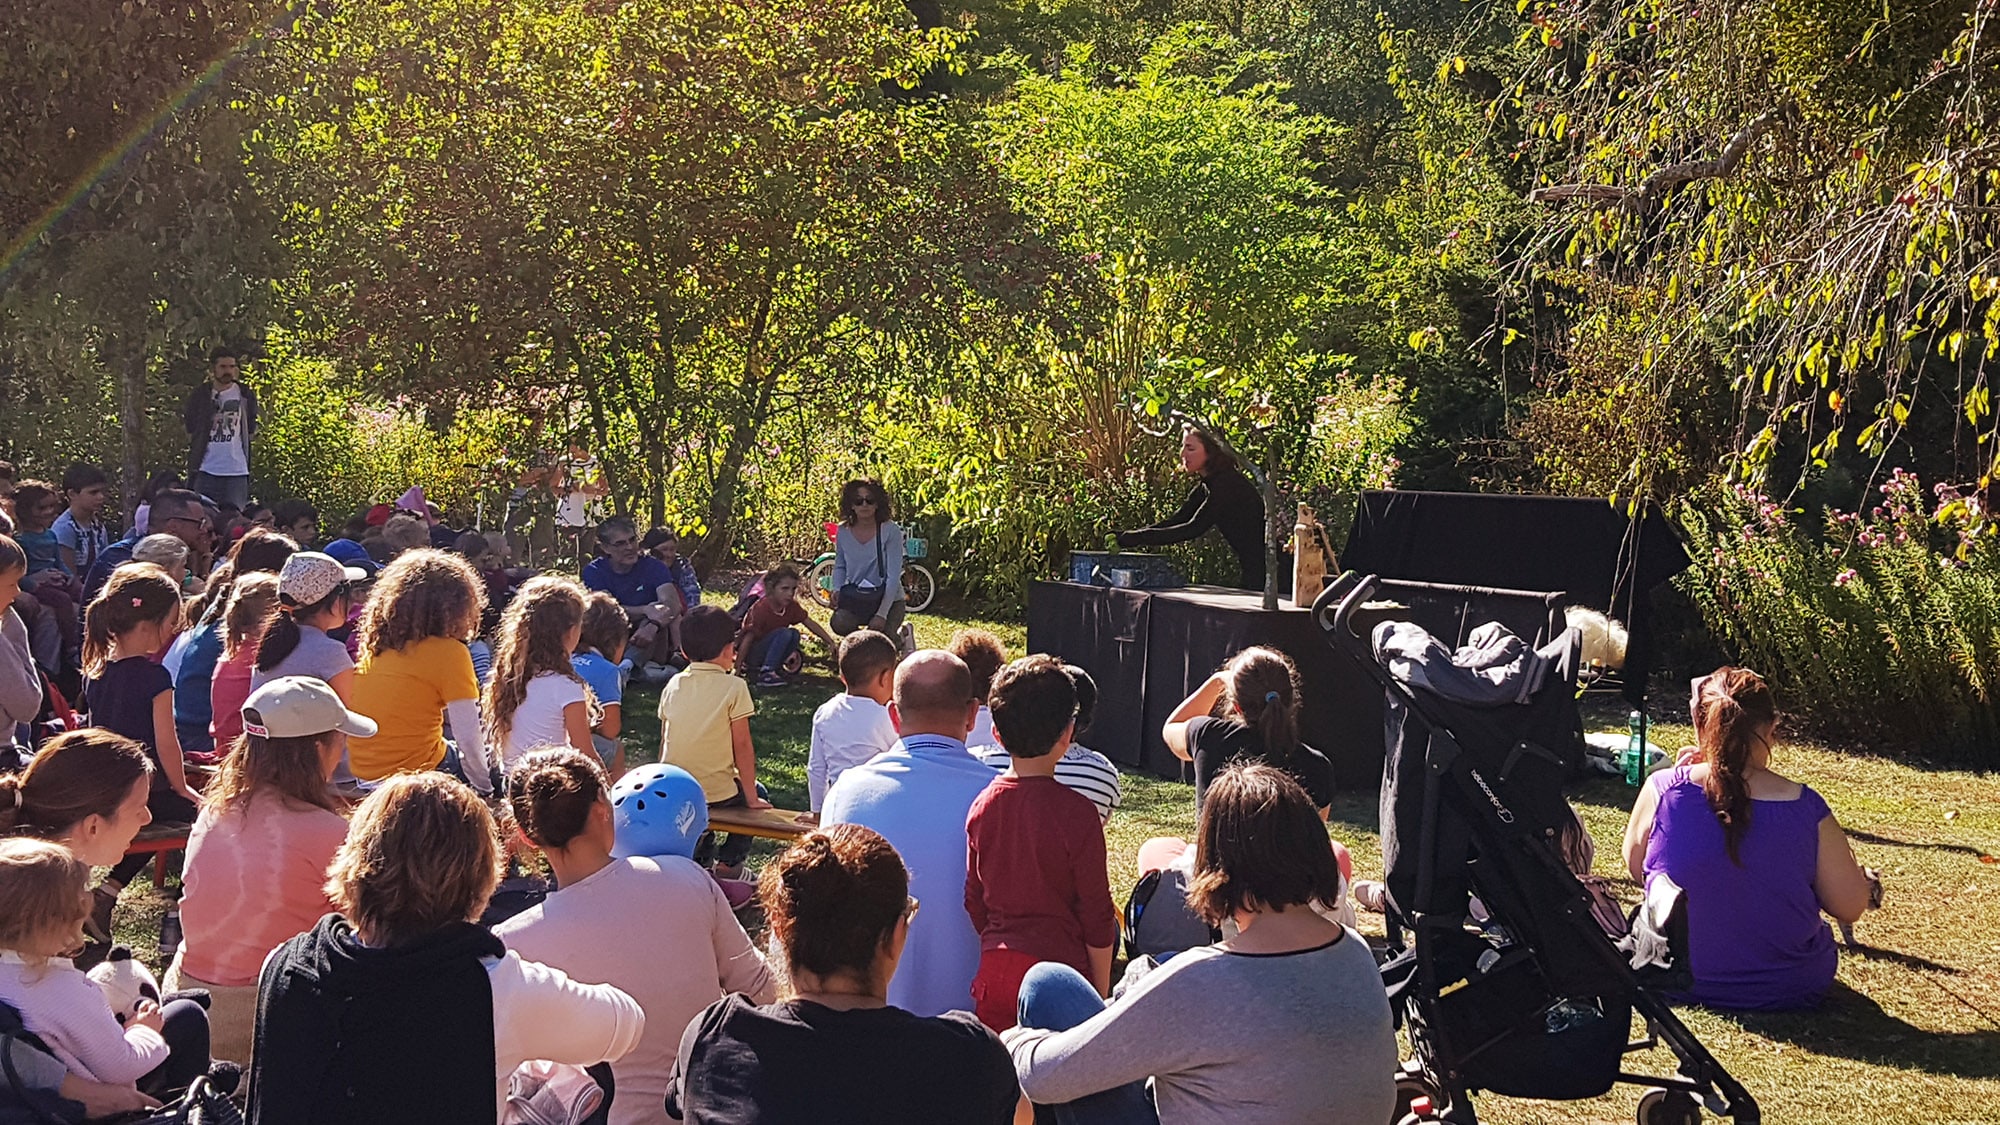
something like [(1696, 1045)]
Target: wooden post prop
[(1312, 558)]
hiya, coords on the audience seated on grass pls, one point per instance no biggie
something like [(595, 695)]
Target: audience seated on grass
[(1758, 855), (129, 695), (80, 532), (600, 660), (315, 596), (983, 655), (838, 1049), (654, 601), (1036, 885), (400, 1007), (415, 669), (918, 796), (535, 696), (20, 678), (1286, 1022), (256, 865), (854, 726), (176, 511), (54, 588), (192, 658), (1081, 768), (43, 908), (253, 599), (1259, 693), (705, 730), (657, 928), (87, 790), (770, 635), (171, 555)]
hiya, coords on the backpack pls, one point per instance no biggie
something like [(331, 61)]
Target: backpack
[(1158, 921)]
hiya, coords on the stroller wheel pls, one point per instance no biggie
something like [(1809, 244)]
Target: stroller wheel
[(1409, 1088), (1668, 1107)]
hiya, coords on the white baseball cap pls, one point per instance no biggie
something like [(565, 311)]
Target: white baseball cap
[(300, 707), (309, 576)]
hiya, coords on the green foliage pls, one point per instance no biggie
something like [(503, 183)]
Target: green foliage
[(1881, 627)]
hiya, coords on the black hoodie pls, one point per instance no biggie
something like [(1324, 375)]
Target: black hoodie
[(351, 1035)]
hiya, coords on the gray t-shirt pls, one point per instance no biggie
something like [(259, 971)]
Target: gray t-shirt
[(1234, 1039), (318, 656)]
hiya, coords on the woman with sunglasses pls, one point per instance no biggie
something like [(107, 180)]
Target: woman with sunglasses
[(867, 562), (835, 1051)]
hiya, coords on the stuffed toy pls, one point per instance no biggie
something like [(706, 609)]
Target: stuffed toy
[(125, 981)]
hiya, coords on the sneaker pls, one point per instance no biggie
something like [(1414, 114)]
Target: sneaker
[(739, 892), (772, 680), (651, 673)]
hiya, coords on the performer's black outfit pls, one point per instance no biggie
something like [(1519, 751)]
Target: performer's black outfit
[(1224, 500)]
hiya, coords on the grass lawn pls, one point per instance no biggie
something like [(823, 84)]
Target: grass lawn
[(1911, 1033)]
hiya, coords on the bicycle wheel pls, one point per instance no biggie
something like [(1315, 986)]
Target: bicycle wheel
[(919, 587), (819, 581)]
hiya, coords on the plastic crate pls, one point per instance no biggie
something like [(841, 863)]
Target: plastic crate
[(915, 548), (1122, 568)]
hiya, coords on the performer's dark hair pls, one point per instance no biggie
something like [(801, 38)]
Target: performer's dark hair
[(1215, 459)]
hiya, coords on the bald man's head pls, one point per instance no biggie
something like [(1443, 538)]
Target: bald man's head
[(934, 695)]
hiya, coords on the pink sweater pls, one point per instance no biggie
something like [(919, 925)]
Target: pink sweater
[(254, 879), (226, 693), (68, 1011)]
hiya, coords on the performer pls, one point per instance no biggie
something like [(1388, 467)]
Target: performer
[(1224, 499)]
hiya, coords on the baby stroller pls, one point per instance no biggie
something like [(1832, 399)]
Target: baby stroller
[(1532, 999)]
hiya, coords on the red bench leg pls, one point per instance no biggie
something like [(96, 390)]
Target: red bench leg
[(160, 868)]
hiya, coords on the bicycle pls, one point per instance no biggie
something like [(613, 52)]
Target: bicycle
[(919, 584)]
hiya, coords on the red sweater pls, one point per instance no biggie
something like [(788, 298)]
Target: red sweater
[(1035, 878)]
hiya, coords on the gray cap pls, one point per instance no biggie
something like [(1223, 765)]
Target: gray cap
[(301, 707)]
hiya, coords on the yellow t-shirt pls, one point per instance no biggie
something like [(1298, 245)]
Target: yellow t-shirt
[(405, 691), (696, 708)]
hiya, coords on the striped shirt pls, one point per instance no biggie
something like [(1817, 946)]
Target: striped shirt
[(1081, 768)]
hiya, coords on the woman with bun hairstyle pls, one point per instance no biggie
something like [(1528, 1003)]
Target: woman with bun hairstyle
[(257, 859), (1259, 692), (86, 790), (694, 951), (835, 1051), (1758, 855)]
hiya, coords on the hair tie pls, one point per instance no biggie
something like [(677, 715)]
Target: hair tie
[(138, 602), (1270, 697)]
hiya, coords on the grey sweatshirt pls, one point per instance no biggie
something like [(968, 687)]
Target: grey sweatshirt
[(20, 683), (1235, 1039), (854, 561)]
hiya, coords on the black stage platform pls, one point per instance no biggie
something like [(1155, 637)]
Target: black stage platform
[(1148, 649)]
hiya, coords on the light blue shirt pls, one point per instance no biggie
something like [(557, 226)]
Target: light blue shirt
[(918, 796)]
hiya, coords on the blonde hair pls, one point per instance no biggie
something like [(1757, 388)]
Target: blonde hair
[(251, 603), (424, 593), (532, 640), (137, 594), (421, 853), (41, 892)]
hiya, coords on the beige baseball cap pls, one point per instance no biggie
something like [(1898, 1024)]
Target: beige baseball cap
[(300, 707)]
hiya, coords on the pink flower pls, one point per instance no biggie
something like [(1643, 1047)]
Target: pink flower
[(1844, 577)]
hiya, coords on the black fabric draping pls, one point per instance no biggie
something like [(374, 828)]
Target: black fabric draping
[(1582, 546), (1226, 501), (1149, 649)]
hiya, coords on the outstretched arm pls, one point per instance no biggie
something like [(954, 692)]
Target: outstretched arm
[(1196, 515)]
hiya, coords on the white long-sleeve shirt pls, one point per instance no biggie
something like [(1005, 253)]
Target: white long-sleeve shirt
[(69, 1012), (847, 730), (540, 1013)]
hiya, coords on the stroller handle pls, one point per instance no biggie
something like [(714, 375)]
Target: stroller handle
[(1342, 596)]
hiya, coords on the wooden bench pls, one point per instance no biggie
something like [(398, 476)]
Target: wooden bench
[(771, 824), (160, 839)]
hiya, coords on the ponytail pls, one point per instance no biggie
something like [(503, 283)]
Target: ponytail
[(1264, 689), (282, 631), (1733, 708), (137, 594)]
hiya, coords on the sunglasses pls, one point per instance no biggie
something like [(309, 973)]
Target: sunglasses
[(861, 500)]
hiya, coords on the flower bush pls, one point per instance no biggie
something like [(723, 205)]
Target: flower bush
[(1880, 627)]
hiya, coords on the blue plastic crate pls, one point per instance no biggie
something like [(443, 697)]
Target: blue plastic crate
[(1123, 568)]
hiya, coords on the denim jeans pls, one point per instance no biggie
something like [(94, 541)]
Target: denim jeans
[(778, 647), (234, 491), (1055, 997)]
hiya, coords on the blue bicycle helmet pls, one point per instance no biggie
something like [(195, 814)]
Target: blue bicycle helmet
[(657, 810)]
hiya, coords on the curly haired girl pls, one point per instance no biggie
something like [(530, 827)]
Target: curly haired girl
[(536, 698)]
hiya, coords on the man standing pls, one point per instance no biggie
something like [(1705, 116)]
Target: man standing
[(221, 420), (646, 588), (176, 512), (917, 796)]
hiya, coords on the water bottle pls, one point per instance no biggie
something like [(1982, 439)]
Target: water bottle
[(1633, 760), (170, 932)]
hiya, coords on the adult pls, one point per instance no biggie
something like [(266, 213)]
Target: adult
[(839, 1048), (1223, 499), (918, 795), (221, 420), (653, 601), (1284, 1022), (1758, 855), (176, 512), (694, 952), (1258, 690), (400, 1007), (257, 858), (867, 562), (170, 554)]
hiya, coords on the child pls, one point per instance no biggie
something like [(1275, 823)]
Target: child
[(536, 698), (126, 693), (854, 726), (252, 601), (1259, 693), (36, 506), (79, 533), (42, 912), (983, 655), (705, 730), (1081, 768), (769, 638), (1036, 887), (600, 660)]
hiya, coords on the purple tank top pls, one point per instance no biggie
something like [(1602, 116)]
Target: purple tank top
[(1758, 939)]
